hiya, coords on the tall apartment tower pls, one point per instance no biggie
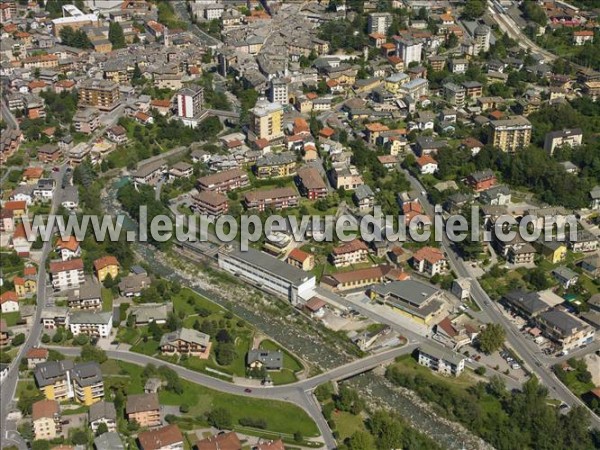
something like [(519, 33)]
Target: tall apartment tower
[(482, 39), (278, 91), (189, 102), (379, 22), (512, 134)]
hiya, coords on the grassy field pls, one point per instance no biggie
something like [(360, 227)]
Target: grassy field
[(280, 417), (347, 424), (407, 364), (107, 300), (11, 318)]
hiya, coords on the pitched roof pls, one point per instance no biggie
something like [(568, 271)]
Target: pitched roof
[(37, 353), (9, 296), (105, 261), (156, 439), (226, 441), (271, 445), (63, 266), (429, 254), (141, 403), (44, 409), (299, 255), (350, 247), (71, 243)]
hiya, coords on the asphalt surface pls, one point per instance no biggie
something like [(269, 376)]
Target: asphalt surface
[(9, 385), (524, 348), (299, 393)]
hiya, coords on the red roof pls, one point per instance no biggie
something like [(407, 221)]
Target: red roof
[(447, 326), (33, 172), (298, 255), (315, 304), (15, 205), (20, 232), (327, 132), (29, 271), (44, 409), (160, 103), (37, 353), (105, 261), (226, 441), (430, 254), (350, 247), (71, 243), (63, 266), (583, 33), (424, 160), (163, 437), (271, 445), (9, 296)]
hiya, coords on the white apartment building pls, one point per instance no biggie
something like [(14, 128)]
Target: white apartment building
[(447, 363), (379, 22), (90, 323), (66, 274)]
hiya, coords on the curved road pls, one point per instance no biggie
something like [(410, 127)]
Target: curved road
[(298, 393)]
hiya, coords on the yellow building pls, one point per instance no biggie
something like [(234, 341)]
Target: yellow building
[(266, 121), (45, 415), (275, 165), (395, 81), (62, 381), (105, 266), (554, 251), (24, 286), (511, 135)]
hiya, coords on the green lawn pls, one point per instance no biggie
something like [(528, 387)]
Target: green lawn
[(407, 364), (281, 417), (347, 424), (291, 365), (107, 300), (589, 284), (11, 318)]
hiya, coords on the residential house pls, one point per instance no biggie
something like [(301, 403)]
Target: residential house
[(186, 341), (582, 37), (591, 265), (105, 266), (87, 296), (496, 196), (554, 251), (482, 180), (427, 165), (68, 248), (270, 445), (565, 276), (150, 173), (430, 260), (46, 418), (54, 317), (271, 360), (595, 198), (165, 438), (49, 153), (26, 285), (103, 412), (4, 333), (441, 361), (20, 242), (9, 302), (348, 253), (151, 312), (522, 253), (133, 284), (567, 137), (526, 304), (277, 198), (301, 259), (117, 134), (210, 203), (346, 177), (275, 165), (221, 441), (364, 197), (225, 181), (315, 307), (584, 241), (310, 183), (35, 356), (66, 274), (144, 409), (93, 324), (564, 329), (109, 441)]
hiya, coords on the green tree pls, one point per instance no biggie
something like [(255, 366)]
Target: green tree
[(491, 338), (361, 440), (80, 437), (219, 418), (19, 339), (474, 9), (93, 353), (225, 353), (102, 428), (116, 35)]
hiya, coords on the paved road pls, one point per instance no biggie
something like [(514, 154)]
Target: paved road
[(7, 116), (526, 349), (8, 387), (207, 39), (299, 393)]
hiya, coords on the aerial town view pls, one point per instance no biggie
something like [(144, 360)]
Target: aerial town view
[(300, 224)]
